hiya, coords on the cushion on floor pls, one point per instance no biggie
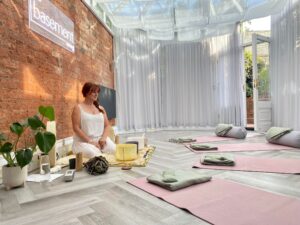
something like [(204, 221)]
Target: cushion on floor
[(291, 139), (180, 179), (276, 132), (235, 132), (222, 129)]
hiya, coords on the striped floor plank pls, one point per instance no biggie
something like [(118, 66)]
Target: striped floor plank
[(108, 199)]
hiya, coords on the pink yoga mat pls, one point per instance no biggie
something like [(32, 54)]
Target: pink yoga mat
[(223, 202), (204, 139), (214, 138), (257, 164), (243, 147)]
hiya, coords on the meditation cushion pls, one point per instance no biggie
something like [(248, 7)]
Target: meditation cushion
[(217, 160), (227, 130), (222, 129), (182, 140), (126, 152), (276, 132), (237, 132), (291, 139), (175, 180), (203, 147)]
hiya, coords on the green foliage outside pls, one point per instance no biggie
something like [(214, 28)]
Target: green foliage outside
[(263, 72), (263, 89), (249, 76)]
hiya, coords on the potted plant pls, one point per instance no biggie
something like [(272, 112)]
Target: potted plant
[(23, 141)]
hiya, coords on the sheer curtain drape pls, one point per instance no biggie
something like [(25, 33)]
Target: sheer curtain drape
[(160, 84), (189, 83), (231, 98), (138, 82), (285, 66), (203, 83)]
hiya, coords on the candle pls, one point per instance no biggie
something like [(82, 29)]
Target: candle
[(51, 127)]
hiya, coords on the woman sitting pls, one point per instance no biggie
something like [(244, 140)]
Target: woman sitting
[(90, 125)]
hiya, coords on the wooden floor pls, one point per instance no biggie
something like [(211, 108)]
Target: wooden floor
[(108, 199)]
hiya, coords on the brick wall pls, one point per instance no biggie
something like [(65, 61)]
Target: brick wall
[(250, 112), (34, 71)]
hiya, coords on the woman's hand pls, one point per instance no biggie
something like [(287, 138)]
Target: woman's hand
[(95, 143), (102, 142)]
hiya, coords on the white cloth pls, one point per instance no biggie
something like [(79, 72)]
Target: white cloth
[(284, 66), (202, 83), (90, 151), (194, 84), (93, 126)]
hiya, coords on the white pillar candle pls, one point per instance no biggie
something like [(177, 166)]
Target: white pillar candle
[(51, 127)]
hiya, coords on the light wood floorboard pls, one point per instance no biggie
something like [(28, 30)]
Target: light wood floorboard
[(109, 199)]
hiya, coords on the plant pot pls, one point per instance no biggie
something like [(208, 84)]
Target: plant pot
[(14, 176)]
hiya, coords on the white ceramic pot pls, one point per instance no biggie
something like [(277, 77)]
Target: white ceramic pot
[(14, 176)]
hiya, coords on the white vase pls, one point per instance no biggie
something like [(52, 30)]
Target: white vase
[(14, 176)]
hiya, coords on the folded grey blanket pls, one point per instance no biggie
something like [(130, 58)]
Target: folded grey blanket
[(203, 147), (222, 129), (217, 160), (168, 177), (182, 140), (275, 133), (177, 179)]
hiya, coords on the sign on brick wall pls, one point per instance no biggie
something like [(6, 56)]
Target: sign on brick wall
[(47, 20)]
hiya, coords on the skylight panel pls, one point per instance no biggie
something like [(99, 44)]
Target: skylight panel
[(189, 18)]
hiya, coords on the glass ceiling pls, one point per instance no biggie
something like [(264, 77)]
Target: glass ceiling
[(182, 20)]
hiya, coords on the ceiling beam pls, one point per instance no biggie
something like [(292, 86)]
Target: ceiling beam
[(238, 6), (120, 6)]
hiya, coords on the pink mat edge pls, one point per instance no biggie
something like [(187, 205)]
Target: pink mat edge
[(230, 168), (182, 208), (286, 148), (223, 180)]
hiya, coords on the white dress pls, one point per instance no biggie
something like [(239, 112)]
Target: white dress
[(93, 126)]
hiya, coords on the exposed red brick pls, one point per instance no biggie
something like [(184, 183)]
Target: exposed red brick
[(34, 71)]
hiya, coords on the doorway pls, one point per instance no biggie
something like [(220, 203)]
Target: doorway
[(257, 85)]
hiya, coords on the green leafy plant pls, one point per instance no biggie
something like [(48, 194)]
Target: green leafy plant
[(261, 65), (248, 70), (20, 154)]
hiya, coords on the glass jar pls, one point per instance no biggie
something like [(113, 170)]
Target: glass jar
[(44, 164)]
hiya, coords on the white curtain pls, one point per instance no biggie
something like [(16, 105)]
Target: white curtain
[(160, 84), (285, 66), (138, 82), (230, 78), (203, 83)]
